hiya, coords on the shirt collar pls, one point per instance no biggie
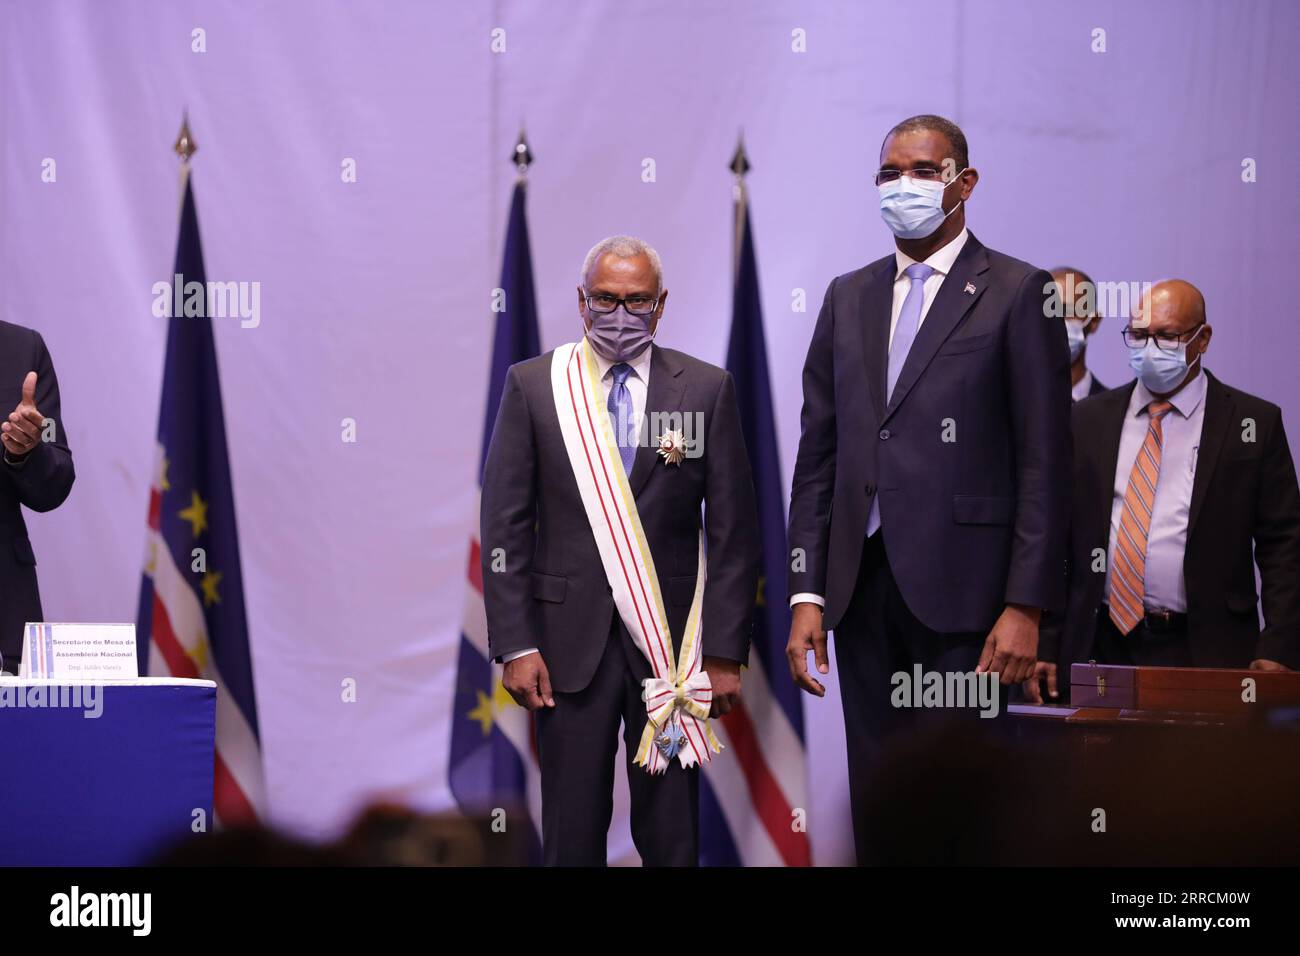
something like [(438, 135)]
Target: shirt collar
[(640, 364), (940, 260), (1081, 388), (1186, 401)]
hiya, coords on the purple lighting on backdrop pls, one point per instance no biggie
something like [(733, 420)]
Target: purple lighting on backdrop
[(375, 295)]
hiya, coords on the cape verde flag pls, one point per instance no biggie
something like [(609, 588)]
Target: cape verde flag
[(750, 795), (493, 760), (191, 621)]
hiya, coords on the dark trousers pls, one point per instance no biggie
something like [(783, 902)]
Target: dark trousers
[(1140, 647), (577, 745), (877, 638)]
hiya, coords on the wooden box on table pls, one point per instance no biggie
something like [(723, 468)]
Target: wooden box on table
[(1202, 690)]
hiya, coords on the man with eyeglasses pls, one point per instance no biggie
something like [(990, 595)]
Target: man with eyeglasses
[(931, 488), (1185, 485), (1078, 296), (588, 535)]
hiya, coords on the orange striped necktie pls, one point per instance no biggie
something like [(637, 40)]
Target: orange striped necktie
[(1129, 562)]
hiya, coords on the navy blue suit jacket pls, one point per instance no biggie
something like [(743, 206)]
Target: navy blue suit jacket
[(41, 484), (552, 592), (970, 458), (1254, 519)]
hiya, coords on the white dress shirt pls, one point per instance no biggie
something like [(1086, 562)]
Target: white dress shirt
[(1080, 389), (941, 261), (1167, 537), (638, 384)]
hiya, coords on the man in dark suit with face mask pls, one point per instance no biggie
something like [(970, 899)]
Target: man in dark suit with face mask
[(553, 603), (1183, 485), (931, 487), (35, 471)]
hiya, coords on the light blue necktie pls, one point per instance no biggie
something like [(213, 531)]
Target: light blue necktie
[(909, 319), (620, 415)]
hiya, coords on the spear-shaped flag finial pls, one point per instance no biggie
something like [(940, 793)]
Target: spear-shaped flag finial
[(185, 146), (740, 162), (739, 166), (522, 156)]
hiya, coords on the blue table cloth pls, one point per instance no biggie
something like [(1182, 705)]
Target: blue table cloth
[(103, 773)]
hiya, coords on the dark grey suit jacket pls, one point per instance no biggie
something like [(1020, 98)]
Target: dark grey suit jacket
[(970, 459), (552, 593), (1245, 511), (41, 484)]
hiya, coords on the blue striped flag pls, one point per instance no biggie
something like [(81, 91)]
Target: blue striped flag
[(753, 800), (493, 760), (191, 620)]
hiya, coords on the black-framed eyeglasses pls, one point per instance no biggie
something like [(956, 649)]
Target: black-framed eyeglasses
[(927, 174), (634, 304), (1165, 341)]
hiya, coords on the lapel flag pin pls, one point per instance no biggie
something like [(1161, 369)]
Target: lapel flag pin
[(970, 288)]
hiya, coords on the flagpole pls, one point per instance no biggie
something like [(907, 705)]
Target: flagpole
[(490, 762), (739, 167), (195, 625), (776, 724)]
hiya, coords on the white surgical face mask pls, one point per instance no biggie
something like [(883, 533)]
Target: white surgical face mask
[(913, 208)]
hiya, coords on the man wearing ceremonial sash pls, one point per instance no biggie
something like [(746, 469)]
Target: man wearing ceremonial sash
[(615, 466)]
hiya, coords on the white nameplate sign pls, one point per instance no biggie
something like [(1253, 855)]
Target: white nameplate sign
[(72, 651)]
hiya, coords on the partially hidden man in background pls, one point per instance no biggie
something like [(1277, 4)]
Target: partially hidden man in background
[(931, 488), (35, 471), (1077, 294), (599, 599)]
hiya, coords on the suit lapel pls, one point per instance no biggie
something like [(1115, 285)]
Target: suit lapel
[(877, 305), (961, 289), (1094, 502), (1214, 429), (1108, 449), (664, 395)]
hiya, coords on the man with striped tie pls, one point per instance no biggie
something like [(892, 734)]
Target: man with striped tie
[(1178, 480)]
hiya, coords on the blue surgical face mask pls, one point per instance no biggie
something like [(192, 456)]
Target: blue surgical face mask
[(1074, 335), (913, 208), (1160, 371)]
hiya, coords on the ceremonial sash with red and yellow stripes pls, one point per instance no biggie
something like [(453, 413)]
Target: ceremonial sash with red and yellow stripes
[(679, 695)]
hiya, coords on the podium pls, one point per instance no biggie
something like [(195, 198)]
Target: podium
[(103, 773)]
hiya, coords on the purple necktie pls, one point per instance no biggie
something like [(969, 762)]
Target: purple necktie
[(621, 415), (909, 319)]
